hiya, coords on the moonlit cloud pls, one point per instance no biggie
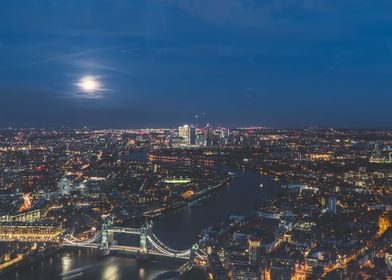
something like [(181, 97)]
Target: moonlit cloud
[(89, 84), (90, 87)]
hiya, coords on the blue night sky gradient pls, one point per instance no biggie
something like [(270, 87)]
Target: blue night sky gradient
[(285, 63)]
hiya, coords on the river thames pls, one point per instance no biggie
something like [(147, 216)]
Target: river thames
[(178, 229)]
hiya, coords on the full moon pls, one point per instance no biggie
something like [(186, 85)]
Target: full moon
[(89, 84)]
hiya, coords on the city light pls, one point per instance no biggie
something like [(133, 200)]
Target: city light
[(26, 205), (90, 190)]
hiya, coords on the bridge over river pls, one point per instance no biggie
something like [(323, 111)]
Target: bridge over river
[(179, 229), (150, 244), (104, 240)]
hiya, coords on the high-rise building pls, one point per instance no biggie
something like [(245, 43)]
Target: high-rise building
[(200, 139), (188, 134), (332, 205), (170, 142), (184, 132), (208, 136), (254, 250), (64, 186), (192, 135), (388, 259)]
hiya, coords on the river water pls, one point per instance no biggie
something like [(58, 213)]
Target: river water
[(178, 230)]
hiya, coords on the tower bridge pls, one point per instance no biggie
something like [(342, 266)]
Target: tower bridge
[(103, 240), (150, 244)]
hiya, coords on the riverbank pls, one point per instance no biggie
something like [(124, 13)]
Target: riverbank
[(241, 196), (25, 261), (178, 229)]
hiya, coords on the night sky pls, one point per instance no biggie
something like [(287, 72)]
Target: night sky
[(159, 63)]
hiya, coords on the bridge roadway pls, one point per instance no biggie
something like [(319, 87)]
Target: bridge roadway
[(125, 230), (156, 246), (182, 269), (149, 242), (124, 248)]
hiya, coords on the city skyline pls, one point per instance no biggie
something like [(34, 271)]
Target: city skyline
[(102, 64), (218, 203), (195, 139)]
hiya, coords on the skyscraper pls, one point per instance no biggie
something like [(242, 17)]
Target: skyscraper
[(184, 132), (188, 134), (208, 136), (64, 186), (332, 204), (192, 135), (388, 259), (254, 250)]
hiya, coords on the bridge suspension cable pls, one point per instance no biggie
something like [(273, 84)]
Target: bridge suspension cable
[(168, 251), (167, 247), (201, 254), (81, 243)]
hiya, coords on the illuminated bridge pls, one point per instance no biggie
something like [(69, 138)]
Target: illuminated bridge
[(150, 244), (104, 240)]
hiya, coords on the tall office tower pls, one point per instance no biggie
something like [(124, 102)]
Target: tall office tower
[(208, 136), (192, 135), (332, 204), (64, 186), (184, 132), (254, 250), (200, 139), (388, 259), (170, 142)]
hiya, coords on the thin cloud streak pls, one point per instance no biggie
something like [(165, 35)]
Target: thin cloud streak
[(98, 66), (64, 57)]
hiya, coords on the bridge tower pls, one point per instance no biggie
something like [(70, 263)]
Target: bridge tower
[(192, 255), (145, 231), (106, 236)]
